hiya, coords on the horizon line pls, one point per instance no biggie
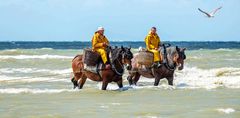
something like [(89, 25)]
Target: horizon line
[(122, 41)]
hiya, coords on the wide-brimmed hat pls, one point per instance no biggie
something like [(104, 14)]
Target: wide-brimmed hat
[(100, 28)]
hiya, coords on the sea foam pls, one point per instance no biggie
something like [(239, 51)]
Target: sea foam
[(35, 57), (226, 110), (33, 91)]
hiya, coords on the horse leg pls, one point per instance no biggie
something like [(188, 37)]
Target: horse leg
[(75, 79), (75, 84), (136, 78), (104, 84), (130, 80), (157, 80), (170, 81), (82, 81), (119, 83)]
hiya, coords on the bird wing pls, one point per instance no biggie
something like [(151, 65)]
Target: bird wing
[(204, 12), (213, 12)]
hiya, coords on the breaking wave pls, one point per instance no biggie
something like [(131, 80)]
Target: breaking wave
[(33, 91), (46, 56), (188, 78), (34, 70)]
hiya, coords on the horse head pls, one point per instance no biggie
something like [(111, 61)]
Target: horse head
[(127, 56), (123, 55), (180, 57), (176, 57)]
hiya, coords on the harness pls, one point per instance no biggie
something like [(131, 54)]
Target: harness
[(113, 65), (171, 68)]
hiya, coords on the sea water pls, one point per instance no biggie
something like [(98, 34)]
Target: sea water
[(35, 82)]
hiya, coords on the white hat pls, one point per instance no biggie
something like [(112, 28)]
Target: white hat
[(100, 28)]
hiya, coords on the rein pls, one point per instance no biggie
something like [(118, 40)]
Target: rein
[(169, 67), (113, 65), (167, 61)]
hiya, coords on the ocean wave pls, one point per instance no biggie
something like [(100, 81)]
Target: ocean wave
[(45, 48), (195, 78), (35, 57), (225, 49), (209, 78), (11, 52), (34, 70), (33, 91), (218, 49), (49, 78), (114, 86), (188, 78), (41, 75), (226, 110)]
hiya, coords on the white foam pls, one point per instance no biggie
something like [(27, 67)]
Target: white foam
[(148, 116), (226, 110), (189, 78), (209, 78), (46, 48), (104, 106), (114, 86), (224, 49), (111, 86), (4, 78), (116, 104), (195, 78), (49, 75), (33, 91), (34, 70), (35, 57)]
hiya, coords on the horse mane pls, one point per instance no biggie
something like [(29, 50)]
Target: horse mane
[(171, 50), (115, 53)]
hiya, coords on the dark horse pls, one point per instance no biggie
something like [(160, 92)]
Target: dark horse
[(174, 58), (118, 58)]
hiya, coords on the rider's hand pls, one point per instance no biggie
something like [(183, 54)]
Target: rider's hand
[(156, 48), (104, 44)]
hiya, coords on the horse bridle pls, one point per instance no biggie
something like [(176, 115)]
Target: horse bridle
[(113, 65), (166, 58)]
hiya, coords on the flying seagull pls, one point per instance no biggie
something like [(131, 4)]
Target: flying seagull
[(210, 15)]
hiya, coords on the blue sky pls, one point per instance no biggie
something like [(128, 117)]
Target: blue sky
[(125, 20)]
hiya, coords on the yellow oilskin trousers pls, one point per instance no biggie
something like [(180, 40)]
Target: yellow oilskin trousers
[(152, 41), (97, 45)]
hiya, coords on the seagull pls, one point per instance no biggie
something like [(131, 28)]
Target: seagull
[(210, 15)]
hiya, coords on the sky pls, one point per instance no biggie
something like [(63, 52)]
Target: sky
[(123, 20)]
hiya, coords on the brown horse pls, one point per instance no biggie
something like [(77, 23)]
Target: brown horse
[(118, 58), (174, 57)]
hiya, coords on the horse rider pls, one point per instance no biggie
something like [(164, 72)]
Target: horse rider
[(152, 41), (99, 44)]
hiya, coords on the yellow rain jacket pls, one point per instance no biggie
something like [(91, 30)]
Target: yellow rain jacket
[(97, 45), (152, 41)]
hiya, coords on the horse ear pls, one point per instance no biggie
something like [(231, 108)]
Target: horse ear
[(177, 48), (184, 49), (116, 47), (122, 47), (129, 47)]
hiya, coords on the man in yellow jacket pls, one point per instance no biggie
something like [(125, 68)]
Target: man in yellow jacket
[(99, 44), (152, 41)]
